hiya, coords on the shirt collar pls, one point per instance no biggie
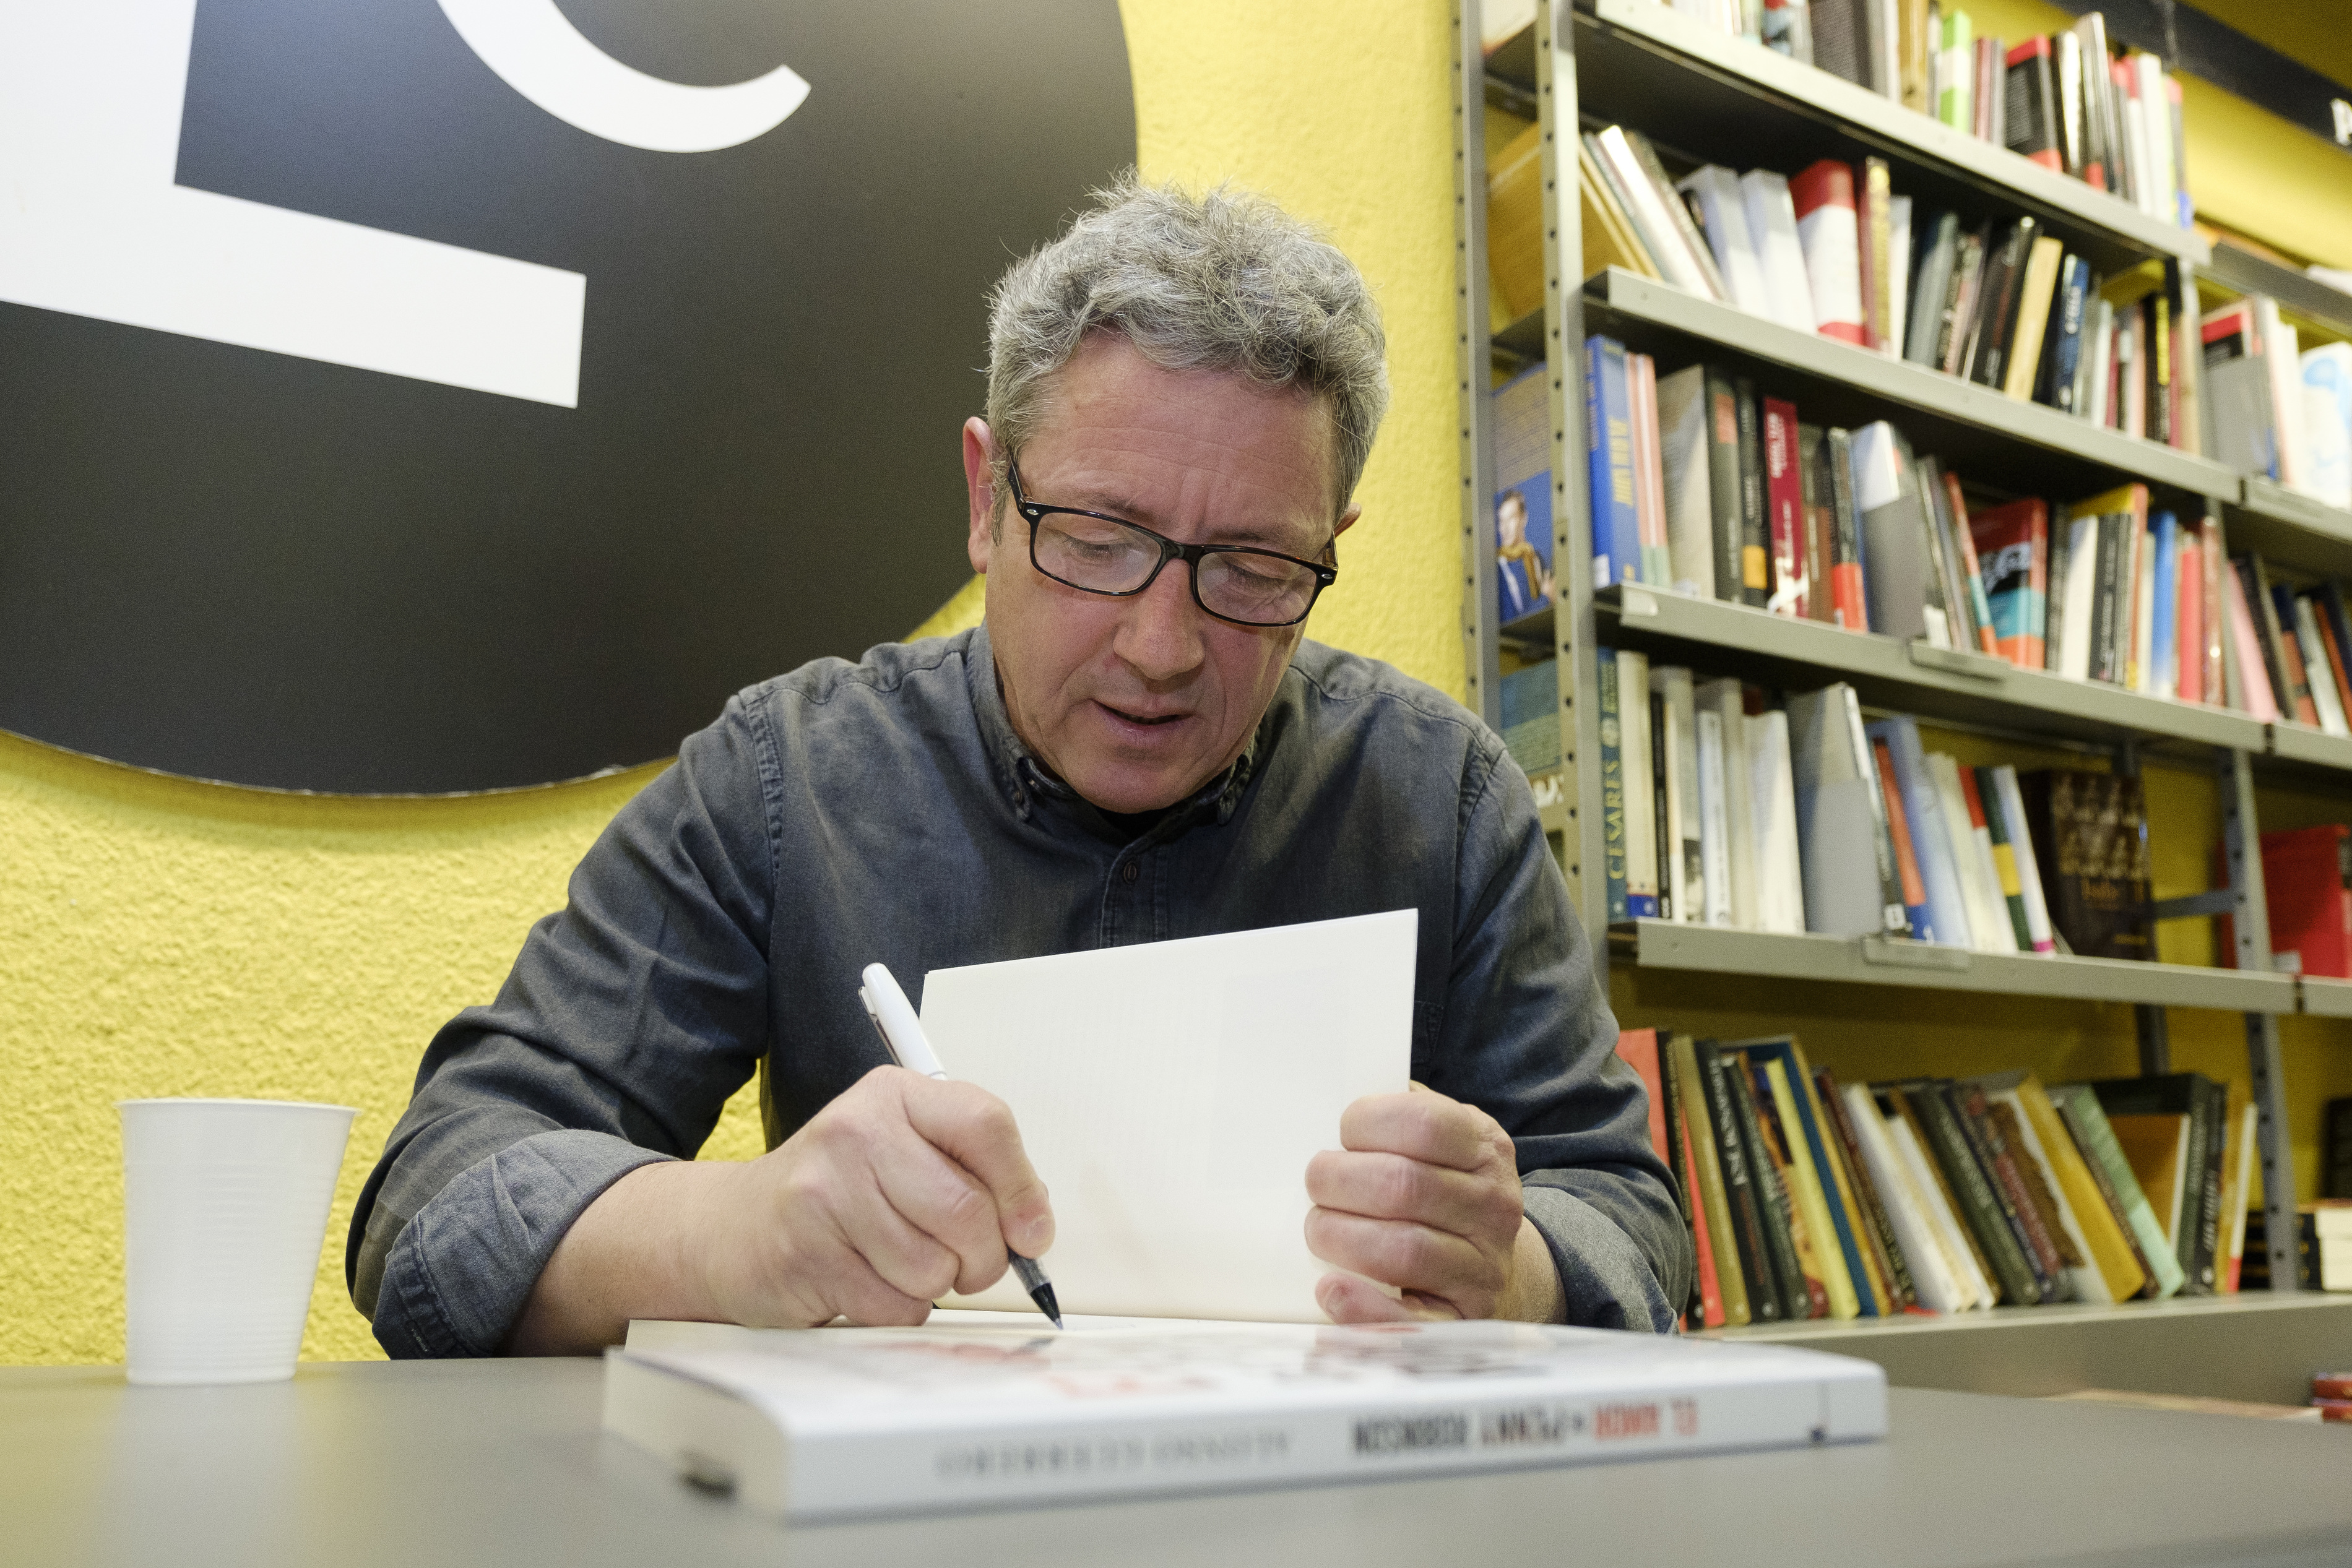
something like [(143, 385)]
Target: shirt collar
[(1024, 780)]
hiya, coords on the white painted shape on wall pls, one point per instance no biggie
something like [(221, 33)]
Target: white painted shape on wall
[(92, 225), (536, 50)]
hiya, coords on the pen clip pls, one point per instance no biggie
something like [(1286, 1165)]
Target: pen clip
[(875, 1018)]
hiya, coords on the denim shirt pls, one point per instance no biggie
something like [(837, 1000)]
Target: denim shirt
[(885, 811)]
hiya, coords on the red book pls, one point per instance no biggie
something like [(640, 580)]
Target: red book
[(1829, 232), (1784, 509), (2012, 544), (2189, 623), (1639, 1047), (2031, 107), (2304, 873)]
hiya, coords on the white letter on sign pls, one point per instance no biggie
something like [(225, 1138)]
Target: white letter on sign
[(92, 225)]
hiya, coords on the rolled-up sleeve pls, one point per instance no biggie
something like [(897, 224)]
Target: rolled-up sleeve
[(629, 1018), (1531, 1036)]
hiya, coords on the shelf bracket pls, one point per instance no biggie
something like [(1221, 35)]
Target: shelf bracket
[(1951, 661), (1903, 953)]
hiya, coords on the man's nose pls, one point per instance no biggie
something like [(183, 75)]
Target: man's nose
[(1159, 637)]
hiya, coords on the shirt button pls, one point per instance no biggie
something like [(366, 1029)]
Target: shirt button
[(1134, 869)]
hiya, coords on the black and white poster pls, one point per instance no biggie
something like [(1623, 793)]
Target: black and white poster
[(424, 396)]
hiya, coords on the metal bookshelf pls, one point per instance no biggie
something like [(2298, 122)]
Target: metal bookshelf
[(1638, 62)]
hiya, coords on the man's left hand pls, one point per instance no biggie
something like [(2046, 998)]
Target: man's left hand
[(1424, 1196)]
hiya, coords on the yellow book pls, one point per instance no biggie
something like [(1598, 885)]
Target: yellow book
[(2102, 1233), (1835, 1278), (2032, 317)]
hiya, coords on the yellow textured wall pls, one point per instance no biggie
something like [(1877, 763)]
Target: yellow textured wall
[(160, 937)]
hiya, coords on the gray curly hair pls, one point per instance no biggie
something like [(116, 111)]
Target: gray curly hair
[(1225, 281)]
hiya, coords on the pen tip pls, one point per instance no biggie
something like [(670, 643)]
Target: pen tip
[(1043, 1296)]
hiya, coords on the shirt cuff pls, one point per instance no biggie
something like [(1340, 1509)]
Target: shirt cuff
[(458, 1276), (1605, 1277)]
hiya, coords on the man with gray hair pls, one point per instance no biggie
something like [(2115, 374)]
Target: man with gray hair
[(1135, 746)]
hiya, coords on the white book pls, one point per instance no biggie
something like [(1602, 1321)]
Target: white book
[(2322, 676), (2098, 352), (842, 1423), (1726, 699), (1640, 784), (2285, 364), (1715, 823), (1688, 873), (1898, 271), (2328, 423), (2142, 668), (1772, 225), (1781, 892), (2157, 121), (2081, 588), (1922, 1254), (2029, 869), (1682, 461), (1949, 1235), (1988, 910), (1647, 208), (2234, 1224), (2088, 1283), (1171, 1094), (1736, 251)]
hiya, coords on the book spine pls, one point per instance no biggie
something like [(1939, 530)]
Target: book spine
[(1723, 484), (1984, 802), (1916, 915), (1829, 231), (2164, 576), (2280, 615), (1885, 1245), (1980, 1206), (2084, 1117), (1848, 600), (2208, 1133), (1784, 502), (1707, 1303), (1609, 442), (1964, 543), (1773, 1211), (1715, 1206), (1755, 526), (2188, 617), (1612, 786), (1966, 1253), (1741, 1196), (1821, 526), (1792, 1090), (2043, 1254)]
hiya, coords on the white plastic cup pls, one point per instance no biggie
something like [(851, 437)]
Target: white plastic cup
[(225, 1210)]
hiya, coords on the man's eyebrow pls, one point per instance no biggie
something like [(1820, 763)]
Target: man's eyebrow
[(1122, 503)]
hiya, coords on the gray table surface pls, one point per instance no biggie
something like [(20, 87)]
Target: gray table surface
[(501, 1462)]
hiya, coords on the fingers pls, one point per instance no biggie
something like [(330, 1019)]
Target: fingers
[(975, 1129), (1390, 1187), (1415, 1257), (1427, 1126), (1346, 1299)]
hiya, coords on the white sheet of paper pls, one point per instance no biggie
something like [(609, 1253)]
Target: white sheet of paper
[(1169, 1095)]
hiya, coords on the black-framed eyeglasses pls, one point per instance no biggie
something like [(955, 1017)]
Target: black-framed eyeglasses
[(1097, 553)]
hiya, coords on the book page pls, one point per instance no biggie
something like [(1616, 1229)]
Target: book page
[(1170, 1094)]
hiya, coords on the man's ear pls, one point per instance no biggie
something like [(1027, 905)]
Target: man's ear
[(1347, 519), (980, 485)]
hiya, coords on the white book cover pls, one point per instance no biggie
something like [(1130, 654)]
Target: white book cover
[(1688, 874), (2242, 1195), (1726, 698), (2029, 869), (2158, 109), (2322, 675), (1715, 823), (1780, 894), (1170, 1094), (1949, 1235), (1988, 928), (2285, 355), (2098, 355), (841, 1423), (1648, 210), (1772, 225), (1831, 238), (1898, 272), (1736, 252), (2328, 423), (1922, 1254), (2089, 1284), (1683, 460), (1641, 783), (2082, 589)]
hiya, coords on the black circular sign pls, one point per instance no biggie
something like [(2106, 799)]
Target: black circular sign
[(381, 553)]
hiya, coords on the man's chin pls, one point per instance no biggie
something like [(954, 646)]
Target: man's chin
[(1128, 793)]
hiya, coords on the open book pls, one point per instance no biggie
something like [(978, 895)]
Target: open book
[(978, 1410)]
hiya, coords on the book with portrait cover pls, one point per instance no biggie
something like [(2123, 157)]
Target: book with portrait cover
[(978, 1411), (1522, 435)]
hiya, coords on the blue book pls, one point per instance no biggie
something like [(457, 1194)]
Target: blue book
[(1801, 1089), (1612, 786), (1522, 434), (1932, 839), (2063, 356), (1609, 447), (2164, 680)]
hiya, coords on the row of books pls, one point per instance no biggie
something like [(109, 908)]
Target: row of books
[(2069, 101), (1810, 1199), (1719, 808), (1834, 250), (2274, 409)]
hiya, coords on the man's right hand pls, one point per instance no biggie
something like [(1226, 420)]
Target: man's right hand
[(898, 1191)]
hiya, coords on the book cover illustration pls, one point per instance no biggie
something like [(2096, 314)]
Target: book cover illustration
[(1523, 523)]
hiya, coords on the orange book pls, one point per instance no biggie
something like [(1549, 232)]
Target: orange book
[(1898, 827)]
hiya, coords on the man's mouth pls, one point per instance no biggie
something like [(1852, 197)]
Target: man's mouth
[(1136, 717)]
